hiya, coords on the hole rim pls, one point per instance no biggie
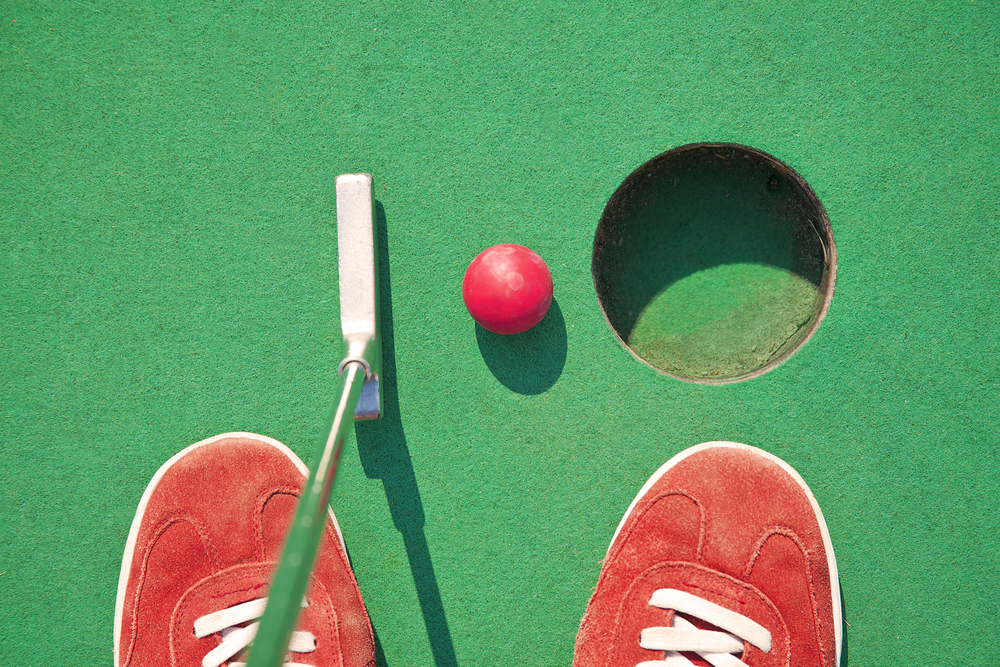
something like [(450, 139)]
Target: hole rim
[(821, 226)]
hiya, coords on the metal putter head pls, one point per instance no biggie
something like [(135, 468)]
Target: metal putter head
[(357, 249)]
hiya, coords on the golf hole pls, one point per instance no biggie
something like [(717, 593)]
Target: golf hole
[(713, 263)]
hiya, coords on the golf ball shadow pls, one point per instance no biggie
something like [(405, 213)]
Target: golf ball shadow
[(530, 362)]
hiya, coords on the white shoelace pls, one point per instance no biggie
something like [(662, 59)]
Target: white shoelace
[(235, 639), (717, 648)]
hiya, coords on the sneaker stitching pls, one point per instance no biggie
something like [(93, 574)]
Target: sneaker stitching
[(674, 565), (186, 599), (157, 534), (332, 620), (258, 518), (691, 584), (790, 533), (639, 513), (330, 533), (240, 590)]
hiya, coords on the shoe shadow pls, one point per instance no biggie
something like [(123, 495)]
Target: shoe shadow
[(385, 456), (843, 641)]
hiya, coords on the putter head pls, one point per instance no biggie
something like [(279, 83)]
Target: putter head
[(357, 260)]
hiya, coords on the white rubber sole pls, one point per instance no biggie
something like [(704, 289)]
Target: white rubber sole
[(147, 494), (838, 621)]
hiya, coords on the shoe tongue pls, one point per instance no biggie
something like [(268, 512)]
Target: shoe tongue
[(233, 586), (715, 587)]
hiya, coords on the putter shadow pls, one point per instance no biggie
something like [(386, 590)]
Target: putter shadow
[(385, 456), (529, 362)]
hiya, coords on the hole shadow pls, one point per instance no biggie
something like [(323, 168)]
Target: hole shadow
[(385, 456), (530, 362), (702, 206)]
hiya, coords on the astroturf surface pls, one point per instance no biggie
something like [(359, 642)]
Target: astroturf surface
[(168, 273)]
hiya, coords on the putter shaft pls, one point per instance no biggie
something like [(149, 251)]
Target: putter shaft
[(292, 576), (359, 397)]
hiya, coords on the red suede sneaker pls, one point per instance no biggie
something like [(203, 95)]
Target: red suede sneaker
[(723, 559), (199, 558)]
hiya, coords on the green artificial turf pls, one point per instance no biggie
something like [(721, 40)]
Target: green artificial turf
[(168, 273), (724, 321)]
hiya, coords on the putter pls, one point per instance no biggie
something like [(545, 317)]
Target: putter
[(359, 397)]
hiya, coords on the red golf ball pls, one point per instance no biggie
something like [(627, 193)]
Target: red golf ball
[(507, 289)]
